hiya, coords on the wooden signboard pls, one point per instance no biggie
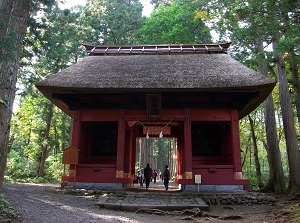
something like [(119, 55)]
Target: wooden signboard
[(155, 130), (70, 155)]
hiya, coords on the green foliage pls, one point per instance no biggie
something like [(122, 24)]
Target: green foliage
[(24, 169), (248, 23), (54, 167), (7, 212), (51, 44), (178, 22), (162, 151), (21, 167), (111, 22), (28, 131), (248, 162)]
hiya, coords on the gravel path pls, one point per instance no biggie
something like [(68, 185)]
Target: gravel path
[(46, 204)]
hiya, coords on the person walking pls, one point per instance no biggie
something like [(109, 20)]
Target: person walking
[(166, 176), (140, 178), (154, 176), (147, 175)]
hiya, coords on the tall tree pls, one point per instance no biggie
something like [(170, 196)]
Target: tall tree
[(294, 69), (157, 3), (13, 17), (289, 45), (288, 126), (250, 25), (112, 22), (276, 178), (52, 40), (177, 22), (58, 48), (255, 149), (45, 144), (278, 12)]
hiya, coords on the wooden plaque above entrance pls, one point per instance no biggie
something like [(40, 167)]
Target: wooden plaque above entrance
[(155, 130), (153, 106)]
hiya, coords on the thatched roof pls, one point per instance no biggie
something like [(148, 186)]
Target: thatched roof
[(158, 73)]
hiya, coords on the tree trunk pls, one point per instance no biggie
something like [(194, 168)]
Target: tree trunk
[(288, 125), (295, 80), (276, 179), (45, 144), (175, 159), (256, 159), (13, 20)]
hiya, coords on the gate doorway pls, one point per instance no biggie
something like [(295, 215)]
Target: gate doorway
[(158, 152)]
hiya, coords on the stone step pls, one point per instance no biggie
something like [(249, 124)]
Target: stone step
[(131, 201)]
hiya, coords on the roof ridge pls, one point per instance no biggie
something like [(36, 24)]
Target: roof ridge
[(102, 50)]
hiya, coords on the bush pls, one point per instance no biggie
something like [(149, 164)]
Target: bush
[(7, 213), (24, 169)]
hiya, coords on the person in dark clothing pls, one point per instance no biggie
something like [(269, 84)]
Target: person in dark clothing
[(147, 175), (166, 176)]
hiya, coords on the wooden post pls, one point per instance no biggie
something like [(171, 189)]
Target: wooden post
[(121, 145), (133, 153), (188, 144), (236, 150), (131, 147), (74, 177), (179, 155), (70, 156), (76, 129)]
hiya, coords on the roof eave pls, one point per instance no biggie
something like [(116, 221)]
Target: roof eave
[(264, 91)]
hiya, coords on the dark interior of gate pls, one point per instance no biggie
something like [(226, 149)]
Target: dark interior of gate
[(211, 153), (207, 136)]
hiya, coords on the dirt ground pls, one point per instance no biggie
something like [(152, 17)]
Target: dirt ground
[(47, 203), (241, 213), (282, 211)]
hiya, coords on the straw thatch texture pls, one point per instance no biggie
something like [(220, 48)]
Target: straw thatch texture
[(201, 72), (158, 73)]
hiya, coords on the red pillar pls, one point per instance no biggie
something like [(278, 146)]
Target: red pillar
[(131, 152), (75, 142), (179, 156), (236, 150), (121, 145), (188, 145), (76, 130)]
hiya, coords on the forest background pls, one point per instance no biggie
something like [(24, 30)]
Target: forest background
[(265, 35)]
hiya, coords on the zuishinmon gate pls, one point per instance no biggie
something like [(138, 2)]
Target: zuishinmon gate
[(194, 93)]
